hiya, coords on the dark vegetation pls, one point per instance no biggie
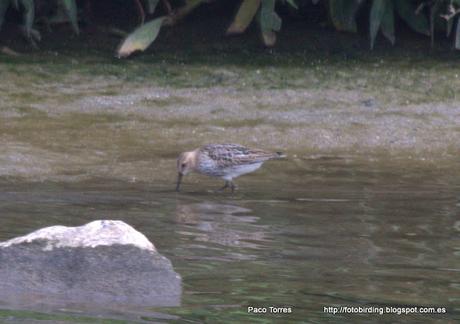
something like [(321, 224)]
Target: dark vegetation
[(25, 24)]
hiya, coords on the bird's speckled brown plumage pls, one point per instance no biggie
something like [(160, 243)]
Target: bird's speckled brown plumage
[(226, 161)]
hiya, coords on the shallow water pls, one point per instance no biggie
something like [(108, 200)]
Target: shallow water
[(364, 212), (327, 231)]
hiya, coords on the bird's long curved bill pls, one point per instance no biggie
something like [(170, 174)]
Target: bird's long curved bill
[(179, 179)]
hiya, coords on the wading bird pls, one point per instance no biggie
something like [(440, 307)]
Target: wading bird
[(226, 161)]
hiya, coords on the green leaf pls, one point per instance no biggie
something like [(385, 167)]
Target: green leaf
[(457, 35), (244, 16), (71, 10), (388, 23), (450, 24), (434, 9), (269, 38), (4, 4), (406, 10), (269, 19), (293, 4), (141, 38), (29, 14), (376, 15), (151, 5), (269, 22), (343, 14)]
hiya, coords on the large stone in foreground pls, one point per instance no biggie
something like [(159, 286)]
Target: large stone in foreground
[(101, 263)]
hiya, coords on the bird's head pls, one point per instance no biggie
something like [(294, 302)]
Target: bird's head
[(185, 164)]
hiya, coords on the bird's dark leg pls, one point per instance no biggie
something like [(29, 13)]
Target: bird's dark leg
[(224, 187), (232, 186)]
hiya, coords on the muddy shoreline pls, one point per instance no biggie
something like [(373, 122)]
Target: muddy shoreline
[(66, 117)]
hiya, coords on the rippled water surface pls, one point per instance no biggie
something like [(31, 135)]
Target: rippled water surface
[(317, 233)]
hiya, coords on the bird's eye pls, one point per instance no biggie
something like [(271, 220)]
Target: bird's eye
[(183, 165)]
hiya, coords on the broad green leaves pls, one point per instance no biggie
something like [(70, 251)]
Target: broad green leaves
[(141, 38), (343, 14), (269, 22), (71, 10), (419, 15), (457, 36), (407, 11), (3, 6), (15, 4), (268, 19), (382, 16), (244, 16), (292, 3), (452, 16), (151, 5), (387, 26), (376, 16), (29, 15), (28, 9)]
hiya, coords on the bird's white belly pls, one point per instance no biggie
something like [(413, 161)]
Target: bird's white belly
[(237, 170)]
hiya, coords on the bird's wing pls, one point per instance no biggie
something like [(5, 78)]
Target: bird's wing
[(227, 155)]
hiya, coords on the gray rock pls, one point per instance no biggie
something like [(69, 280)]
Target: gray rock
[(101, 263)]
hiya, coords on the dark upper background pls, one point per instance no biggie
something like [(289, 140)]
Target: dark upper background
[(307, 33)]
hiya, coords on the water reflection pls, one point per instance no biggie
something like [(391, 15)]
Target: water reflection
[(224, 225)]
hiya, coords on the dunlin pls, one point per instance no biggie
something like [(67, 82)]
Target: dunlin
[(226, 161)]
